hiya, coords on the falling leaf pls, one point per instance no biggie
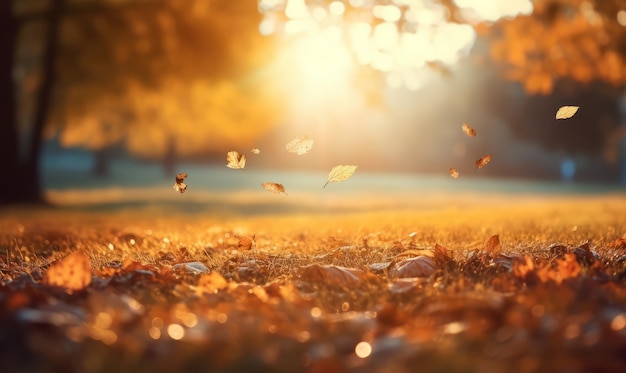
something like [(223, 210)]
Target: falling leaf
[(179, 185), (274, 188), (340, 173), (454, 173), (469, 131), (235, 160), (482, 162), (566, 112), (72, 272), (492, 246), (300, 146), (246, 243), (255, 151)]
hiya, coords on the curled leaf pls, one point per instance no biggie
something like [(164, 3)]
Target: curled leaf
[(299, 146), (340, 173), (419, 266), (179, 184), (274, 188), (255, 151), (235, 160), (482, 162), (246, 243), (72, 272), (330, 275), (492, 246), (469, 131), (566, 112), (454, 173)]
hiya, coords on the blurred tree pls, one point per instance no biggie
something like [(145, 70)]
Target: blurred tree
[(143, 73)]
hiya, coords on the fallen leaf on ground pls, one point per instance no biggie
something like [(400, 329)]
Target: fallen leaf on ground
[(329, 274), (566, 112), (454, 173), (246, 243), (72, 272), (235, 160), (340, 173), (482, 162), (274, 188), (420, 266), (492, 246), (469, 131), (299, 146), (179, 184)]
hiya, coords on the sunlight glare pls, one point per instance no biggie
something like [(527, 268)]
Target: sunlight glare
[(363, 349), (493, 10)]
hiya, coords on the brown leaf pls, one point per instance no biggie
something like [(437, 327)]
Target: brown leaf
[(482, 162), (246, 243), (492, 246), (568, 267), (72, 272), (469, 131), (235, 160), (274, 188), (420, 266), (442, 256), (454, 173), (330, 274), (179, 184)]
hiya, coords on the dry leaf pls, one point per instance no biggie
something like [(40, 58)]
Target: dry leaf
[(246, 243), (454, 173), (469, 131), (299, 146), (235, 160), (420, 266), (255, 151), (274, 188), (72, 272), (179, 184), (492, 246), (482, 162), (330, 275), (340, 173), (566, 112)]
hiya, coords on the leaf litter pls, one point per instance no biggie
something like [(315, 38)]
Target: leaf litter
[(232, 302)]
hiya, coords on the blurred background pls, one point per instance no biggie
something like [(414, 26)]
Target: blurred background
[(123, 94)]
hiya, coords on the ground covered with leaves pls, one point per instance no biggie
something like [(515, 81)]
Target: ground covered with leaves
[(527, 286)]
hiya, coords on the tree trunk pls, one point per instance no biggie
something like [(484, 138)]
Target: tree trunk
[(24, 185)]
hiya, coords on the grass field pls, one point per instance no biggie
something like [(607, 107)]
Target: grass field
[(474, 283)]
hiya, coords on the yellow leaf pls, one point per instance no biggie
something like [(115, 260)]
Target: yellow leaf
[(72, 272), (454, 173), (469, 131), (482, 162), (255, 151), (299, 146), (179, 184), (246, 243), (340, 173), (274, 188), (566, 112), (235, 160)]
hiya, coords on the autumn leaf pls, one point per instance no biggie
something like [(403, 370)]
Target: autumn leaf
[(340, 173), (274, 188), (235, 160), (72, 272), (469, 131), (246, 243), (482, 162), (454, 173), (492, 246), (330, 275), (566, 112), (299, 146), (419, 266), (179, 184), (255, 151)]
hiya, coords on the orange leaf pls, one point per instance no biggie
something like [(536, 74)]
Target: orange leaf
[(492, 246), (419, 266), (72, 272), (274, 188), (454, 173), (469, 131), (179, 184), (329, 274), (246, 243), (482, 162)]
